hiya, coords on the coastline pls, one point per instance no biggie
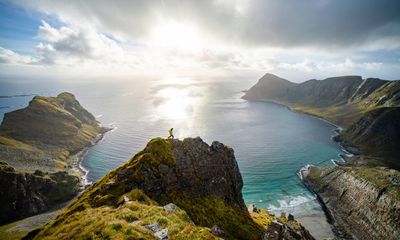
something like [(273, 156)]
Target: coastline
[(346, 158), (77, 167), (329, 216)]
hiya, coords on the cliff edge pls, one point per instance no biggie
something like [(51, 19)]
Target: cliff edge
[(171, 189)]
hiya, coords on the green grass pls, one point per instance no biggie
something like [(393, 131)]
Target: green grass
[(210, 210), (381, 178), (107, 222), (7, 234)]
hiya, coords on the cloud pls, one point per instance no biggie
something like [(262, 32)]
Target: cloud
[(10, 57), (67, 45), (272, 23), (299, 38), (347, 65)]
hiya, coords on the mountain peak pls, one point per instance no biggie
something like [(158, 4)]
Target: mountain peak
[(272, 77)]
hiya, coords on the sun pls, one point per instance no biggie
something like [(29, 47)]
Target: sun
[(176, 36)]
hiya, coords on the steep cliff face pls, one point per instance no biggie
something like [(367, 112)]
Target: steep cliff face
[(387, 95), (377, 134), (203, 183), (364, 202), (24, 194)]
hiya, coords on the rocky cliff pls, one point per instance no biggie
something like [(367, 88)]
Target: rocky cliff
[(171, 189), (364, 202), (25, 194), (38, 144)]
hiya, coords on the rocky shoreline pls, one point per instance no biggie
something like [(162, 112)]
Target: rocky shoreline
[(303, 172), (361, 203), (77, 165)]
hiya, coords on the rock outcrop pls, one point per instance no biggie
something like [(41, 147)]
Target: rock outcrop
[(363, 202), (25, 194), (187, 189), (38, 143)]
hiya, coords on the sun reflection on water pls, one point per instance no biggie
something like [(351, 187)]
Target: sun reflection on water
[(176, 103), (177, 99)]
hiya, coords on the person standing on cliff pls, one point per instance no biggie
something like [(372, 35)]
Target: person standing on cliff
[(171, 133)]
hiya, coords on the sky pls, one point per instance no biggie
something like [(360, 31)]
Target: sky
[(298, 40)]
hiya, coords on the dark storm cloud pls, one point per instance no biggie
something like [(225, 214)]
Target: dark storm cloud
[(329, 22), (287, 23)]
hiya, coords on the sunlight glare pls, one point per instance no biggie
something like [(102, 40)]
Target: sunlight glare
[(176, 35), (176, 103)]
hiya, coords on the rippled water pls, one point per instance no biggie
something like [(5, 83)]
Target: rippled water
[(271, 142)]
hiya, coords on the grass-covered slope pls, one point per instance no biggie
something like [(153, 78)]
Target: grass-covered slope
[(45, 133), (203, 181), (377, 134)]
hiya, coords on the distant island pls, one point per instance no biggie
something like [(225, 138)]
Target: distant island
[(40, 147), (362, 194)]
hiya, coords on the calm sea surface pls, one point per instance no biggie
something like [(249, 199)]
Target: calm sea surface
[(271, 143)]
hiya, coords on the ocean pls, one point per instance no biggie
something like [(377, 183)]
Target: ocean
[(270, 141)]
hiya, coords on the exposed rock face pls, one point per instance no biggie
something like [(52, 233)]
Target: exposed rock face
[(364, 202), (192, 168), (377, 134), (26, 194), (202, 180)]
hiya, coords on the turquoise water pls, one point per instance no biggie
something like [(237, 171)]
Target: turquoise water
[(271, 142)]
